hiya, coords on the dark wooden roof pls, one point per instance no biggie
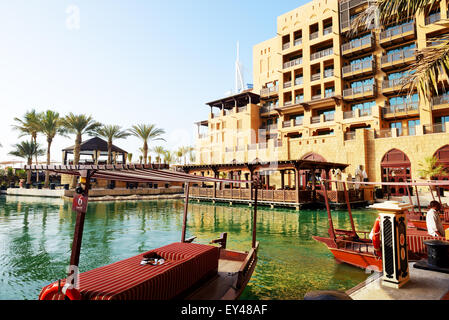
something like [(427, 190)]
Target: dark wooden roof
[(95, 144), (242, 99), (288, 164)]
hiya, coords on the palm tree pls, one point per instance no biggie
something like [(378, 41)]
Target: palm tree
[(432, 62), (159, 151), (79, 125), (130, 157), (179, 155), (430, 169), (147, 133), (169, 157), (50, 124), (189, 151), (26, 150), (29, 126), (110, 133)]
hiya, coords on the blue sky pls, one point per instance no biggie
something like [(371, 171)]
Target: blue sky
[(126, 62)]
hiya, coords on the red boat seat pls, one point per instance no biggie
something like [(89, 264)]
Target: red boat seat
[(185, 265), (415, 242)]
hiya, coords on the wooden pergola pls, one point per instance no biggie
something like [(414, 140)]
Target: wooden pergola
[(95, 147), (258, 168)]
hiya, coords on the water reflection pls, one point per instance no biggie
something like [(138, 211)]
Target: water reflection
[(36, 238)]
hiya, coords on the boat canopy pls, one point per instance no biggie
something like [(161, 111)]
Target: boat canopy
[(130, 173)]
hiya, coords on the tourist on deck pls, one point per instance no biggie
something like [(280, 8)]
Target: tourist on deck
[(434, 225)]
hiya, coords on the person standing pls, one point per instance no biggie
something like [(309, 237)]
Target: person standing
[(434, 225)]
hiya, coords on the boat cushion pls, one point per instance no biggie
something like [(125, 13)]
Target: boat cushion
[(185, 265)]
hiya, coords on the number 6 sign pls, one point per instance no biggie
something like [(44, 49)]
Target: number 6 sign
[(79, 203)]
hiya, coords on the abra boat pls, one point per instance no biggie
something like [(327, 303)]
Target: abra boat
[(183, 270), (355, 248)]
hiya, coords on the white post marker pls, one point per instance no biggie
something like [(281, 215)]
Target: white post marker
[(394, 243)]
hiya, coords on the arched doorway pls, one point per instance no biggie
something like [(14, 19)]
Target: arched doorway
[(396, 167), (443, 159)]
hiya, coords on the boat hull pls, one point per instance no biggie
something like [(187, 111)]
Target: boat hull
[(355, 258)]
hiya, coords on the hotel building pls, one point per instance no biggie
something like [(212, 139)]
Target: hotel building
[(323, 92)]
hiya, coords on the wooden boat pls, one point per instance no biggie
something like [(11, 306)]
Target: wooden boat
[(183, 270), (355, 248)]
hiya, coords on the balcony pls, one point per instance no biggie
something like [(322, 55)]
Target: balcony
[(357, 113), (362, 92), (203, 136), (286, 46), (267, 92), (384, 133), (287, 84), (241, 109), (327, 31), (328, 73), (358, 46), (350, 135), (314, 35), (299, 100), (435, 128), (316, 97), (315, 120), (288, 103), (321, 54), (358, 69), (435, 17), (299, 81), (394, 85), (266, 109), (329, 117), (329, 94), (315, 77), (396, 59), (440, 102), (398, 34), (298, 42), (298, 122), (270, 127), (292, 63), (286, 124), (292, 123), (400, 110)]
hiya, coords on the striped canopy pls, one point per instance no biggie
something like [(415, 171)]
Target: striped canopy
[(129, 173)]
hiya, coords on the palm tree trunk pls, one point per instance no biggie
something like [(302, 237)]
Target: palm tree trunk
[(47, 173), (30, 162), (145, 151), (109, 152), (37, 171)]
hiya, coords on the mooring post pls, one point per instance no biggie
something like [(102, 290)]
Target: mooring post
[(394, 242)]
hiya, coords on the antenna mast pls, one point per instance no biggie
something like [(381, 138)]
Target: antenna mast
[(239, 83)]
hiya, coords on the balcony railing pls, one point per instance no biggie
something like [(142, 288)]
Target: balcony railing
[(401, 108), (241, 109), (285, 46), (358, 67), (398, 56), (314, 35), (348, 114), (388, 84), (435, 128), (357, 44), (299, 100), (286, 124), (268, 91), (366, 89), (299, 81), (316, 76), (329, 117), (316, 119), (433, 18), (350, 135), (229, 149), (287, 84), (292, 63), (384, 133), (396, 31), (316, 97), (263, 145), (442, 99), (265, 109), (327, 30), (299, 122), (328, 73), (288, 103), (322, 53), (329, 94), (270, 127), (298, 42), (203, 136)]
